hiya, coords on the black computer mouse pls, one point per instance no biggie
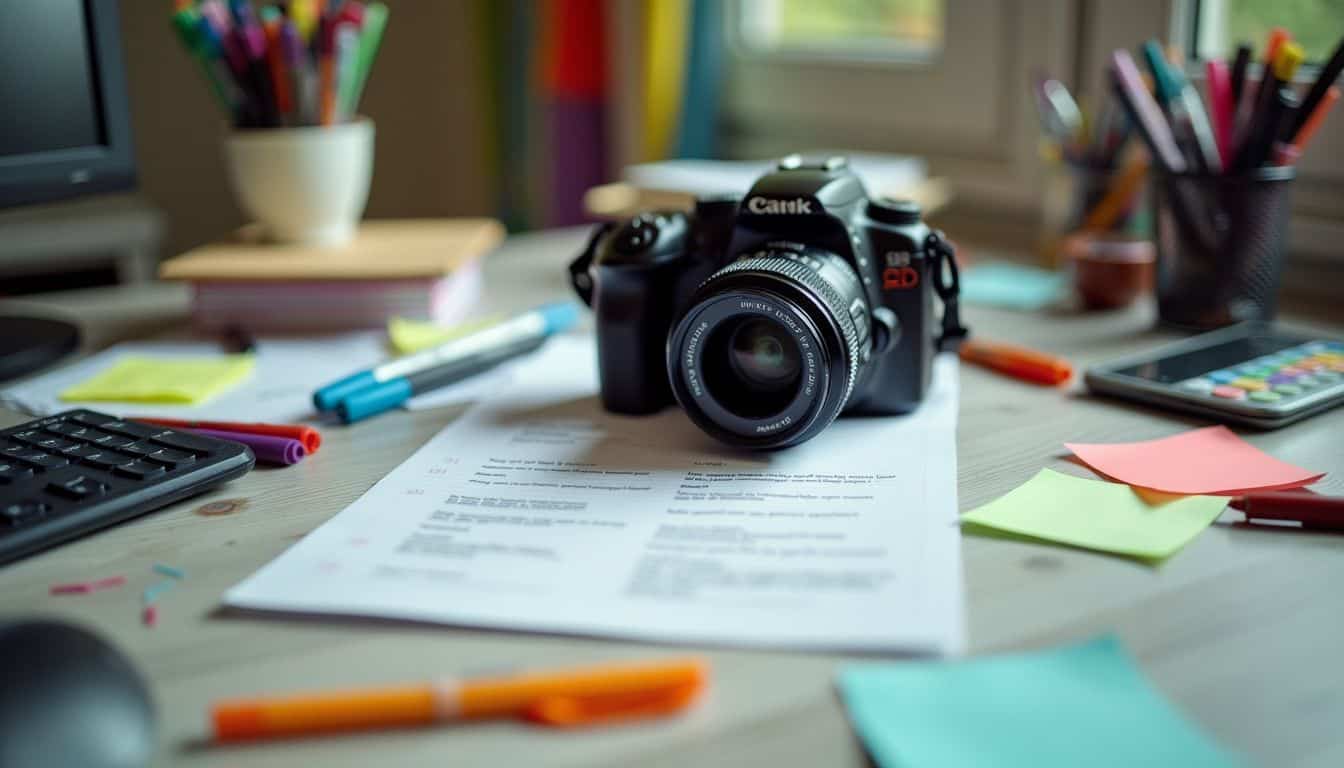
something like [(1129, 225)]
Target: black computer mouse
[(68, 699)]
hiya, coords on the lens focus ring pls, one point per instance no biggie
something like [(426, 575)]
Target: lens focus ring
[(818, 272)]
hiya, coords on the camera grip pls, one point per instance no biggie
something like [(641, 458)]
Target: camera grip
[(634, 310)]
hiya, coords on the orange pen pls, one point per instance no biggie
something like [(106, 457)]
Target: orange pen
[(1309, 128), (576, 697), (1118, 197), (1018, 362)]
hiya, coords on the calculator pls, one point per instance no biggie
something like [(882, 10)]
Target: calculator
[(70, 474), (1253, 374)]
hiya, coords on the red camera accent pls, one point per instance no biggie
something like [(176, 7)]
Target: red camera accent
[(899, 277)]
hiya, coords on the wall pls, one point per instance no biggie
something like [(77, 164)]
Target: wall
[(423, 95)]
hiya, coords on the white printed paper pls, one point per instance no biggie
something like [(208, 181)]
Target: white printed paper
[(539, 511)]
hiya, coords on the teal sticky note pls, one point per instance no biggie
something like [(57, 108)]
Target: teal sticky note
[(1081, 705), (1011, 285)]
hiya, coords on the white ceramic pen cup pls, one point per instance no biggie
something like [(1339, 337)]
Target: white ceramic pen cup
[(305, 185)]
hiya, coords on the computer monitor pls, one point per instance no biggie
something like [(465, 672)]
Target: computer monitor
[(66, 128), (65, 131)]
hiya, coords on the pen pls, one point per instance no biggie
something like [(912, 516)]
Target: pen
[(1144, 112), (1324, 81), (326, 69), (347, 52), (1270, 108), (252, 40), (1237, 80), (304, 15), (1311, 509), (370, 37), (217, 16), (302, 83), (276, 63), (1018, 362), (1287, 155), (1185, 112), (187, 23), (537, 323), (1063, 119), (575, 697), (309, 437), (1220, 108), (1118, 197), (384, 396), (1252, 93)]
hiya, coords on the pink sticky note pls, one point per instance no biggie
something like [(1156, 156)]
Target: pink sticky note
[(1212, 460)]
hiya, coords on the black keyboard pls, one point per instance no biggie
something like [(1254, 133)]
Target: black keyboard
[(70, 474)]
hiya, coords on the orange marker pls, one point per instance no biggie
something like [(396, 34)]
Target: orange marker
[(586, 696), (1018, 362)]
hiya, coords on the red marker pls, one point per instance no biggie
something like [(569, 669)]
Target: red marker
[(1311, 509), (1018, 362), (310, 437)]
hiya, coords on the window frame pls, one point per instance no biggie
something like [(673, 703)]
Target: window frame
[(985, 142)]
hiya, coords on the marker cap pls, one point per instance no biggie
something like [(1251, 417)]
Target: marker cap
[(559, 316), (373, 400), (328, 397), (1289, 59)]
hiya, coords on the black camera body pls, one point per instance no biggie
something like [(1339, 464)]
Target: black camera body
[(768, 316)]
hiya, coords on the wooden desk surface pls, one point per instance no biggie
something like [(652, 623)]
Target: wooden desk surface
[(1241, 629)]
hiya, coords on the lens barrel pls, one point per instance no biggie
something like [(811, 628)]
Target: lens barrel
[(768, 354)]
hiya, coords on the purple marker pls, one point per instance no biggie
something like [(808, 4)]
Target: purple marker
[(267, 448)]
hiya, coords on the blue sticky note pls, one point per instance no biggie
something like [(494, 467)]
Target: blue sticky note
[(1011, 285), (1073, 706)]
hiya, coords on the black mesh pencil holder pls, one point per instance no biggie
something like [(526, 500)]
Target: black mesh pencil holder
[(1220, 245)]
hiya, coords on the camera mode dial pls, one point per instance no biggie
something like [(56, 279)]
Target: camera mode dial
[(898, 213)]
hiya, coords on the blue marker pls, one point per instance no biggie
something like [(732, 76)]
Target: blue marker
[(389, 385)]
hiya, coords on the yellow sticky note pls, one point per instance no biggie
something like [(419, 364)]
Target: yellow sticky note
[(185, 380), (407, 336), (1108, 517)]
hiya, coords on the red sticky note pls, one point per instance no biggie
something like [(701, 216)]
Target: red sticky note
[(1212, 460)]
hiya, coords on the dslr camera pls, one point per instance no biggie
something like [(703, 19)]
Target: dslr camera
[(766, 317)]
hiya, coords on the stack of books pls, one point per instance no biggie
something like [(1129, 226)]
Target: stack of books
[(416, 268)]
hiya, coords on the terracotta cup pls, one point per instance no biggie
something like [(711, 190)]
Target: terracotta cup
[(1109, 270)]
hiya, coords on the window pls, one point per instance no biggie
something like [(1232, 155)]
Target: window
[(943, 79), (1221, 25), (898, 29)]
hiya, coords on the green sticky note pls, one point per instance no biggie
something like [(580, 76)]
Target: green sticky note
[(1109, 517), (1082, 705), (180, 380)]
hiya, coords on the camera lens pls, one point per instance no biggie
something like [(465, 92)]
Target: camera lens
[(753, 366), (769, 351), (763, 356)]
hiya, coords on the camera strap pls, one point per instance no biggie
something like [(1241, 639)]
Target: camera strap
[(578, 270), (948, 287)]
